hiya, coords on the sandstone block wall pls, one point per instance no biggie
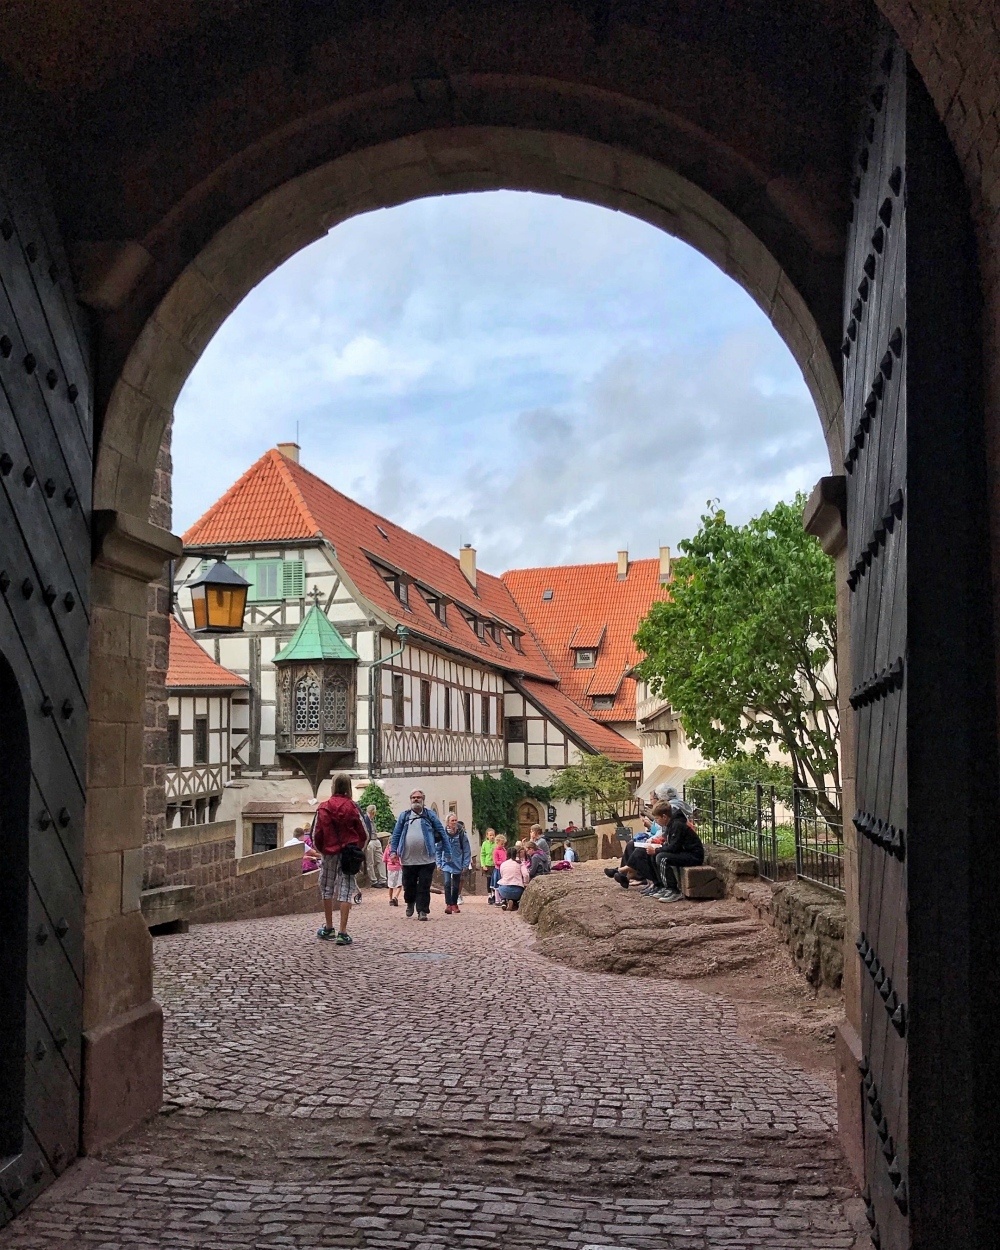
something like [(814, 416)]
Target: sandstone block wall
[(227, 888), (154, 769)]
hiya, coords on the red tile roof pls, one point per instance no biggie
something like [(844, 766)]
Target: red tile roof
[(192, 669), (580, 725), (277, 500), (588, 600)]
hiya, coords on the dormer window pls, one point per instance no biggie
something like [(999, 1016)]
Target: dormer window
[(514, 638), (584, 657), (494, 631), (602, 702), (436, 604), (546, 595), (396, 582)]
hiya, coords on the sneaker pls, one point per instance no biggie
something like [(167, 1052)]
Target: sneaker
[(460, 902), (394, 902), (670, 896), (490, 899), (611, 872), (409, 910), (326, 935), (622, 880), (648, 890), (422, 915), (344, 939)]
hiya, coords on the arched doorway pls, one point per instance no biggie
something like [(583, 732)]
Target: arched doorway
[(528, 813), (732, 129)]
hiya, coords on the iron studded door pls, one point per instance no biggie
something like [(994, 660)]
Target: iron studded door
[(923, 674), (45, 493)]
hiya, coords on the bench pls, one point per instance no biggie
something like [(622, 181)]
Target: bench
[(702, 882)]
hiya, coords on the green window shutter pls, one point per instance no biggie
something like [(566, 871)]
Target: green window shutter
[(292, 579), (245, 568)]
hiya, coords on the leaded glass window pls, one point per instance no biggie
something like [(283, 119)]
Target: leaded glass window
[(335, 719), (306, 705)]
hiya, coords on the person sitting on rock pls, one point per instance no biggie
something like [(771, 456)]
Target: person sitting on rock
[(640, 869), (538, 860), (680, 848)]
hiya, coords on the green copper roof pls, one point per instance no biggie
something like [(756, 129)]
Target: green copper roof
[(316, 639)]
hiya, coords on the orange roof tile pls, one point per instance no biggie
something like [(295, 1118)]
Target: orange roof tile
[(191, 668), (587, 600), (279, 500), (580, 725)]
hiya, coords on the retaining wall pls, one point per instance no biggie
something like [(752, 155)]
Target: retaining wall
[(222, 887), (811, 921)]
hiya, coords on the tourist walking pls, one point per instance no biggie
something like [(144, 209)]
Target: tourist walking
[(373, 851), (415, 840), (394, 875), (486, 861), (454, 855), (339, 835)]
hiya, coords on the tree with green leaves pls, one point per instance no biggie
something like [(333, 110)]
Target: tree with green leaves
[(745, 648), (385, 817), (600, 782)]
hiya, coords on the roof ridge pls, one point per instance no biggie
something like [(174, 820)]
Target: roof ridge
[(586, 564), (410, 534)]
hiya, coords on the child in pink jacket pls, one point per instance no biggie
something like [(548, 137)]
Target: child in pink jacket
[(394, 875)]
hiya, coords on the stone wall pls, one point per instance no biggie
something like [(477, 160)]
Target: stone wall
[(154, 805), (202, 858), (812, 921)]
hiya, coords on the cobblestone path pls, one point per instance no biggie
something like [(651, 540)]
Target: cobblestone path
[(439, 1085)]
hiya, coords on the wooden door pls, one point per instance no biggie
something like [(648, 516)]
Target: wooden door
[(45, 494), (923, 672), (527, 815)]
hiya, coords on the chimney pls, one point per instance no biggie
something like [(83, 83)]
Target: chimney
[(622, 565), (467, 563), (290, 451), (665, 573)]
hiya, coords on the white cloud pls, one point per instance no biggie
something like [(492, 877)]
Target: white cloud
[(542, 378)]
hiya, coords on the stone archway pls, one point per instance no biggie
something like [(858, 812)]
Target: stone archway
[(213, 147)]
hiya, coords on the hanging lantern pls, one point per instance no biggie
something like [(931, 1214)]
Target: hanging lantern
[(219, 600)]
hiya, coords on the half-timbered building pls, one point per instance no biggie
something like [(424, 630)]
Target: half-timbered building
[(200, 699), (448, 677)]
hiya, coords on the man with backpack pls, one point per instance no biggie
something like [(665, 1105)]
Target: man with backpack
[(340, 836), (415, 840)]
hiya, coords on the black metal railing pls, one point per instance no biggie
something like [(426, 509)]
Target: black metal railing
[(803, 835), (819, 838)]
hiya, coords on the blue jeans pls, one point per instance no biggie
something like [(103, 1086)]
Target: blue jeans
[(510, 893), (452, 888)]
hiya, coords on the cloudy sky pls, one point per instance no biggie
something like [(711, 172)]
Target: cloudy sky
[(544, 379)]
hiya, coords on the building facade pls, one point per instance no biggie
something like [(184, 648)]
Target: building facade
[(448, 679), (201, 699)]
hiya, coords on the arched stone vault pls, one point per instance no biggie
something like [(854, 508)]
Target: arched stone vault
[(437, 162), (191, 149)]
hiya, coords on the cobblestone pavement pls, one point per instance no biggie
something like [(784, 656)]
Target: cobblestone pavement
[(441, 1085)]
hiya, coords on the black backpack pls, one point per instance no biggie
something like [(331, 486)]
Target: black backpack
[(352, 860)]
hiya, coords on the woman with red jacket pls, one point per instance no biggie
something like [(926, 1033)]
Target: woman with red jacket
[(338, 826)]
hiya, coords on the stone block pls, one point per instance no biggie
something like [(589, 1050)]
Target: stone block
[(167, 904), (702, 882), (118, 958), (122, 1075)]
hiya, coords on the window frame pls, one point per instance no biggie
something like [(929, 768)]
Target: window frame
[(578, 657), (398, 701), (425, 703), (484, 715), (467, 711), (447, 707), (200, 728), (508, 722), (262, 824), (173, 742)]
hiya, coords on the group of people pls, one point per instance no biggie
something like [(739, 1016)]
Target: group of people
[(343, 839), (508, 869), (668, 843)]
